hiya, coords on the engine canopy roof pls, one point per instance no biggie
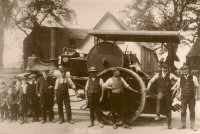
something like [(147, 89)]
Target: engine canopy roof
[(137, 36)]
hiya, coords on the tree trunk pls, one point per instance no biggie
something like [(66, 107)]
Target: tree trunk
[(1, 37)]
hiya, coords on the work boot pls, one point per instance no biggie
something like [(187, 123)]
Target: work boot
[(114, 126), (22, 122), (43, 121), (91, 124), (37, 120), (15, 119), (52, 121), (71, 122), (25, 120), (126, 126), (33, 120), (10, 120), (61, 121), (169, 127), (183, 121), (157, 118), (101, 125), (192, 121)]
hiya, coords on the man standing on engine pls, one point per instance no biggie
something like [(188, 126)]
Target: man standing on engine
[(163, 79)]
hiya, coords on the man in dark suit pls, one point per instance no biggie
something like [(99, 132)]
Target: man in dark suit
[(46, 93)]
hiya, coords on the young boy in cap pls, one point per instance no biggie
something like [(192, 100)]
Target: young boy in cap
[(11, 102), (34, 100), (24, 100), (62, 86), (94, 96), (16, 90), (163, 79), (3, 105), (187, 84), (117, 84)]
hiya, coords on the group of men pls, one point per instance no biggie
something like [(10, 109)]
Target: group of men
[(185, 85), (50, 94), (39, 96), (94, 95), (45, 93)]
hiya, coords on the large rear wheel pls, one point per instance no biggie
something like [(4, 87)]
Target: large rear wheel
[(134, 102)]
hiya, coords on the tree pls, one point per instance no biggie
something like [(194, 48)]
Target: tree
[(6, 10), (33, 13), (166, 15)]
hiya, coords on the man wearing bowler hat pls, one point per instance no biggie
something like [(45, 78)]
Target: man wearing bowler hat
[(93, 95), (62, 86), (46, 93), (163, 79), (187, 84)]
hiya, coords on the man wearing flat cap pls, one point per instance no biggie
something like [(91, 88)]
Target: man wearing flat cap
[(61, 88), (34, 100), (45, 90), (163, 79), (93, 95), (187, 84)]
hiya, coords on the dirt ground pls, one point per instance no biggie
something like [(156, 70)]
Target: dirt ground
[(145, 124)]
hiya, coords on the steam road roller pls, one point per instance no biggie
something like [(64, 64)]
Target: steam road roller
[(106, 55)]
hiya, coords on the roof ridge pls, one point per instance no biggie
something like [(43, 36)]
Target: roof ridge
[(115, 19)]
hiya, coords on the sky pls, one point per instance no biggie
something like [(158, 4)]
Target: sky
[(88, 13)]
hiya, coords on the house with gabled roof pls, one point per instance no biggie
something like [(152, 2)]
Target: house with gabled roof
[(144, 52)]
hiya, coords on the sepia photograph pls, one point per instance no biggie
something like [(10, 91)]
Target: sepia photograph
[(99, 66)]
